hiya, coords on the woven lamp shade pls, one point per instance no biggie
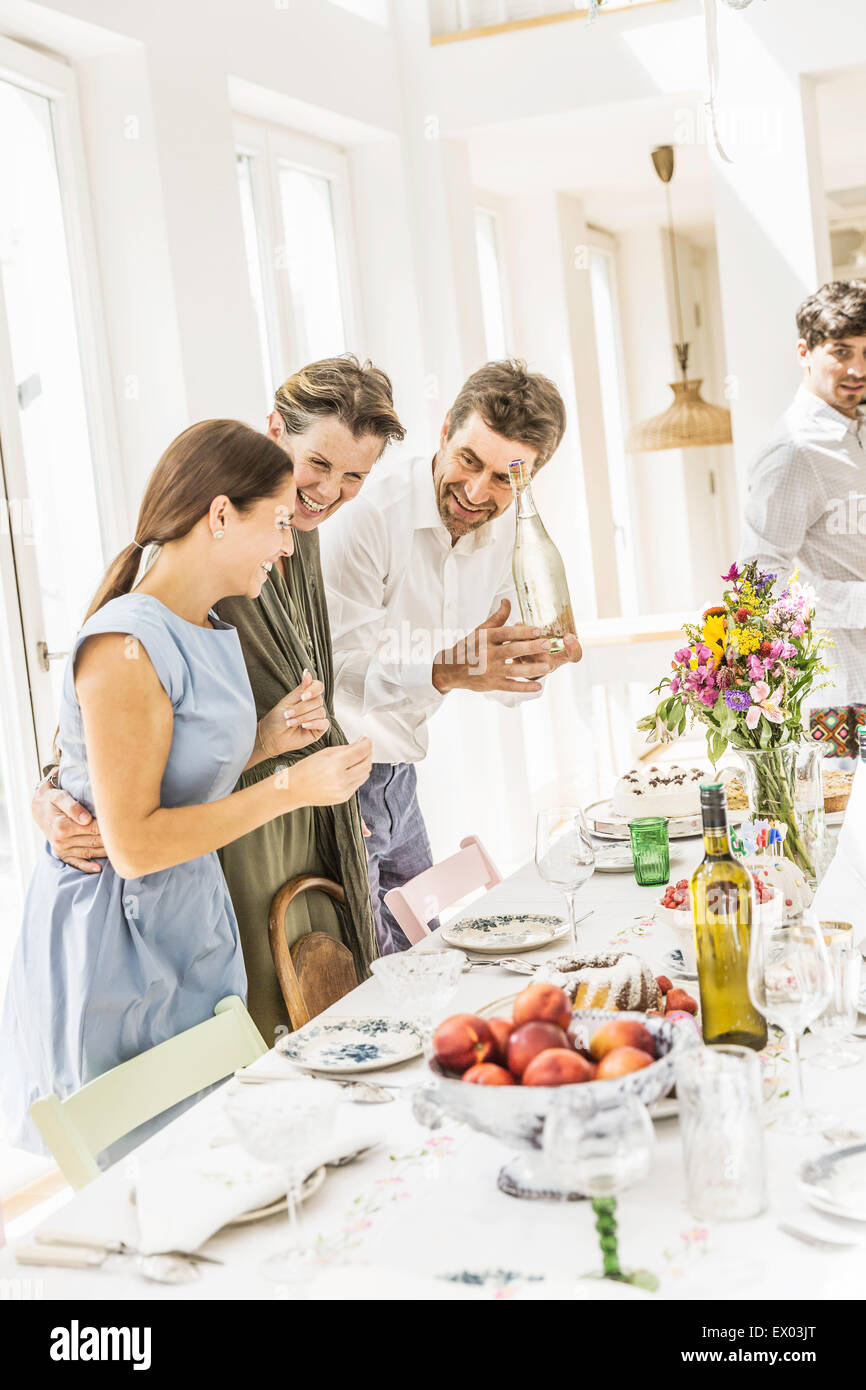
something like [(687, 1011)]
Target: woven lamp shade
[(689, 422)]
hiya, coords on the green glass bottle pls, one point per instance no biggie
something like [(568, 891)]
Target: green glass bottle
[(721, 890)]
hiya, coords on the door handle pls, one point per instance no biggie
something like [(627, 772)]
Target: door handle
[(46, 657)]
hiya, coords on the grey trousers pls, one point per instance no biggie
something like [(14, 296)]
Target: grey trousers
[(398, 847)]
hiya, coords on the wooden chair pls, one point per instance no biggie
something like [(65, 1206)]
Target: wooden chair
[(432, 891), (318, 970), (114, 1104)]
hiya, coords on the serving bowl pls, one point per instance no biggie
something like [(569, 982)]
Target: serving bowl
[(516, 1114)]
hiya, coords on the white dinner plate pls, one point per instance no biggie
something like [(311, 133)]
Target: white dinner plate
[(351, 1044), (835, 1182), (506, 932)]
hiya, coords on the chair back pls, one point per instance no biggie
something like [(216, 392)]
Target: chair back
[(318, 970), (438, 888), (114, 1104)]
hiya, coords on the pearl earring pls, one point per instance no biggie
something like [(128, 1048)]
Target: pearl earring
[(218, 535)]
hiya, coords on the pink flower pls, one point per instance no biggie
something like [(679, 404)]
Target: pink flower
[(683, 655), (798, 628), (675, 684), (764, 703), (756, 668), (708, 698)]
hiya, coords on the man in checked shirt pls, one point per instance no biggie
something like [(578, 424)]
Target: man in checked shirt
[(806, 496)]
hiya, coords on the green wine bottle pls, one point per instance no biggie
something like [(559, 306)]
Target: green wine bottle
[(721, 890)]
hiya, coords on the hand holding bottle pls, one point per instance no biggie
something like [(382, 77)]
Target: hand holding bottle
[(495, 657)]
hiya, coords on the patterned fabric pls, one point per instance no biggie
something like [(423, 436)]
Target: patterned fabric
[(837, 726), (806, 507)]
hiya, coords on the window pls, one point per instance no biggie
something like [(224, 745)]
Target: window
[(59, 515), (295, 207), (493, 306), (615, 416)]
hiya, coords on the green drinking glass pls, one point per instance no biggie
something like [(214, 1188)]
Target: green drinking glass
[(649, 850)]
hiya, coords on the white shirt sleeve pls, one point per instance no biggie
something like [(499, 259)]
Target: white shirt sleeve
[(374, 664), (782, 502)]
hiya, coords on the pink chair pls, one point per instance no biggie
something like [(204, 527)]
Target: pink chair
[(434, 890)]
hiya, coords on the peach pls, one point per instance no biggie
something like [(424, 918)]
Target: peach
[(462, 1040), (621, 1032), (528, 1040), (543, 1003), (557, 1066), (501, 1028), (621, 1061), (663, 983), (488, 1074)]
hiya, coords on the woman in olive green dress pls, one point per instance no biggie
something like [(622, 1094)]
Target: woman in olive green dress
[(334, 418)]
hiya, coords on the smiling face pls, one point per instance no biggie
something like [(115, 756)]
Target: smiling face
[(836, 371), (470, 475), (253, 540), (330, 465)]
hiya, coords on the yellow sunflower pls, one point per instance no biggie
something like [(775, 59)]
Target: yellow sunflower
[(715, 633)]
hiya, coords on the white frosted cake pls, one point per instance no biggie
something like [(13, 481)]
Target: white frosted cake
[(659, 791)]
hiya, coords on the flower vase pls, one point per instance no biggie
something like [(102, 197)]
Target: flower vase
[(771, 786)]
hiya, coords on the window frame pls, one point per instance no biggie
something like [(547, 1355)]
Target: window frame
[(486, 206), (270, 148)]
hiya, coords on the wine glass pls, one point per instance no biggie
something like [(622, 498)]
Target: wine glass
[(564, 854), (833, 1027), (598, 1149), (419, 986), (286, 1123), (790, 983)]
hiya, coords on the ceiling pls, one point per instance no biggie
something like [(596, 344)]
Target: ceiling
[(602, 155)]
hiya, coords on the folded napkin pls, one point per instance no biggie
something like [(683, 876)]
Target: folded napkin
[(182, 1198)]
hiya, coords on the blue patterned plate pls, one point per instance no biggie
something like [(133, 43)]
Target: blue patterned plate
[(352, 1044), (507, 932)]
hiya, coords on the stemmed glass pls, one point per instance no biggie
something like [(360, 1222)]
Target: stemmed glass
[(564, 854), (419, 986), (833, 1027), (286, 1123), (599, 1149), (790, 983)]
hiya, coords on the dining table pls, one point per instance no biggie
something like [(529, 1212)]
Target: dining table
[(419, 1214)]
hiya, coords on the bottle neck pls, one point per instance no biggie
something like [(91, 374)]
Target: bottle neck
[(523, 501), (716, 843)]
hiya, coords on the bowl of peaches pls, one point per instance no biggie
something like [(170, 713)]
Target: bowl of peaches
[(500, 1071)]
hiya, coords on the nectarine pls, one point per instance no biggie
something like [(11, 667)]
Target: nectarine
[(488, 1074), (621, 1061), (680, 999), (528, 1040), (462, 1040), (501, 1028), (621, 1032), (557, 1066), (543, 1003)]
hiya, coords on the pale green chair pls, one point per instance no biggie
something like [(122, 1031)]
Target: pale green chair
[(112, 1105)]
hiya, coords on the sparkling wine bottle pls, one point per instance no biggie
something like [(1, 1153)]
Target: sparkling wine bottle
[(539, 574), (721, 890)]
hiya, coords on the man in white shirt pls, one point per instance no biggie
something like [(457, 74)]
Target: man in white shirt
[(806, 498), (421, 601)]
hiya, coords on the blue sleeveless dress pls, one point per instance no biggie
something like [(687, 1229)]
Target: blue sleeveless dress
[(107, 967)]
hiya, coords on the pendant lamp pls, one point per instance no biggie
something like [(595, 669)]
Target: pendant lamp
[(689, 422)]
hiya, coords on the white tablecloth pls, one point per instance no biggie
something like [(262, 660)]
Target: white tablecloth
[(421, 1216)]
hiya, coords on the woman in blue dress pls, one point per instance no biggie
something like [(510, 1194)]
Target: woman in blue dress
[(157, 722)]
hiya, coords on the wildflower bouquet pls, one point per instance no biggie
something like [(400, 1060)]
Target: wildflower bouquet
[(745, 673)]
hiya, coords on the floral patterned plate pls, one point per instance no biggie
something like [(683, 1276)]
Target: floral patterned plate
[(352, 1044), (508, 931)]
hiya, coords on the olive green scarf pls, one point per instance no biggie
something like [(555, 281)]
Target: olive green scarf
[(282, 632)]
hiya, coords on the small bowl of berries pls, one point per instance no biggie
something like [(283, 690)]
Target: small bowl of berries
[(674, 908)]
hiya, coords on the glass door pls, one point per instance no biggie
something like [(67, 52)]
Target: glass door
[(51, 531)]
